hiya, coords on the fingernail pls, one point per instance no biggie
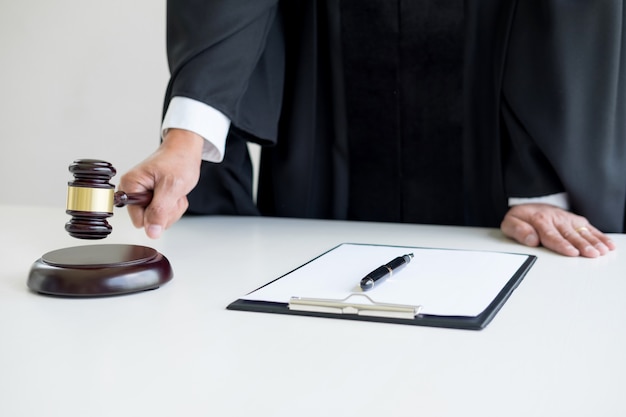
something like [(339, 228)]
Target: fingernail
[(531, 240), (602, 248), (154, 231), (572, 250), (591, 250)]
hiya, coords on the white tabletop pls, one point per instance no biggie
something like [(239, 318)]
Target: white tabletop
[(557, 347)]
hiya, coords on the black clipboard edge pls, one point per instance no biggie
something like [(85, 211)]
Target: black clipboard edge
[(478, 322)]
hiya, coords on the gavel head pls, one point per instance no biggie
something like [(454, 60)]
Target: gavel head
[(90, 199)]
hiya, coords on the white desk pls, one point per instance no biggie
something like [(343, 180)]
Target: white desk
[(557, 347)]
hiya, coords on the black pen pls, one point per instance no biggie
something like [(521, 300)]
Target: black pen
[(376, 276)]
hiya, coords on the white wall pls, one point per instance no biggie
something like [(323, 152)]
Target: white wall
[(78, 79)]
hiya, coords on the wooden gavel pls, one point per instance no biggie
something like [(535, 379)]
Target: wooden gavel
[(90, 199)]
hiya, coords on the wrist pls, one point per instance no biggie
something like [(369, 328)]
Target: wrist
[(183, 141)]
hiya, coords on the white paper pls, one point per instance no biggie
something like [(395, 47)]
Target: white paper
[(444, 282)]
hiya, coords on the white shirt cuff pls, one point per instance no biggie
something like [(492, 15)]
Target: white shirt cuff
[(200, 118), (559, 200)]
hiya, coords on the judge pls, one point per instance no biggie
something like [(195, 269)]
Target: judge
[(480, 113)]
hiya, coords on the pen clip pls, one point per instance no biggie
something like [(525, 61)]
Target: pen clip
[(345, 306)]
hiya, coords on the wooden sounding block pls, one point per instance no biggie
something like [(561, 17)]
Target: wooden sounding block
[(97, 270)]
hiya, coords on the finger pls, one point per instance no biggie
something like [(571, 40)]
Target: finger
[(519, 230), (175, 213), (156, 221), (136, 214), (602, 237), (602, 243), (553, 237), (182, 204), (156, 217), (168, 205), (585, 247), (133, 182)]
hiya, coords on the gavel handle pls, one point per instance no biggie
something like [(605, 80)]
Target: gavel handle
[(122, 199)]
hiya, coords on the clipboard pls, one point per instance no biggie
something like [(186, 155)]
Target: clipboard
[(449, 288)]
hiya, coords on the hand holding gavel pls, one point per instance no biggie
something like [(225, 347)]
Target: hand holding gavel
[(97, 270)]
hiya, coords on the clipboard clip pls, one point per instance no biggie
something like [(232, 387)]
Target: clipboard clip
[(348, 306)]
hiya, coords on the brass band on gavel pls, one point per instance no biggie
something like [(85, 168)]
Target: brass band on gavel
[(99, 200)]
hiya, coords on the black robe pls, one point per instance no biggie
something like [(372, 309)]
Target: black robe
[(424, 111)]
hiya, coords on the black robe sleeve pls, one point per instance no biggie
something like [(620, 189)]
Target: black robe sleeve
[(564, 90), (559, 119), (228, 54)]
